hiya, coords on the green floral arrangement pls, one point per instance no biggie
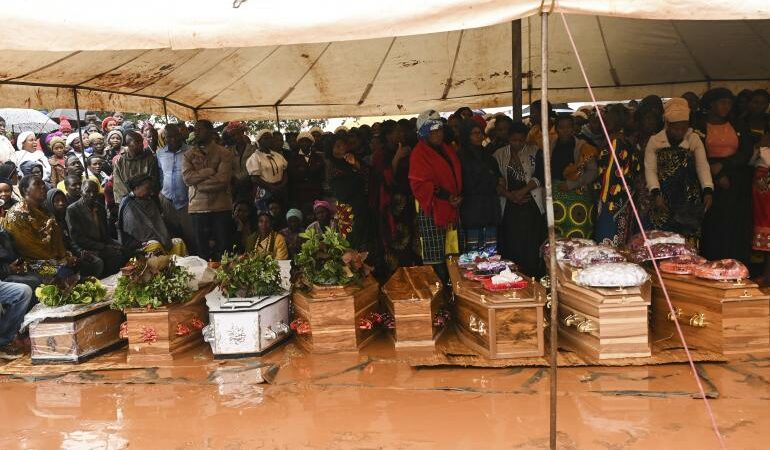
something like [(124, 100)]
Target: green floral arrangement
[(86, 292), (248, 275), (151, 283), (327, 259)]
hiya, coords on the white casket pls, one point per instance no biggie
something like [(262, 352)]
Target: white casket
[(246, 326)]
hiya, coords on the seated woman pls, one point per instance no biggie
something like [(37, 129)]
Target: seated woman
[(292, 231), (268, 241), (36, 236), (140, 225)]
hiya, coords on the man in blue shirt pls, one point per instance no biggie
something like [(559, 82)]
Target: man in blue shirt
[(173, 193)]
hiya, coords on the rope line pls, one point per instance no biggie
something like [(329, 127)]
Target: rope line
[(706, 403)]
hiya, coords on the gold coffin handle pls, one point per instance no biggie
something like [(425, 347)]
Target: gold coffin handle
[(698, 320), (477, 325), (676, 314), (587, 326), (572, 320)]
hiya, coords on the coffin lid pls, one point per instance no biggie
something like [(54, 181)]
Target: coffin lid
[(413, 283)]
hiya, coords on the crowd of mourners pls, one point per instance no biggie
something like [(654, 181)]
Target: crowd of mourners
[(409, 192)]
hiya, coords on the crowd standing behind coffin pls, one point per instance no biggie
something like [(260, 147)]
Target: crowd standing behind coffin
[(408, 192)]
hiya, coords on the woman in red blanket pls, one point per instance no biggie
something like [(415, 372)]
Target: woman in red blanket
[(435, 176)]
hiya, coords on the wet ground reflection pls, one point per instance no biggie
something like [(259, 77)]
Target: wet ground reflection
[(355, 401)]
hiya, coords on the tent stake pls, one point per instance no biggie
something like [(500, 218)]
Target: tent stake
[(554, 320), (516, 69)]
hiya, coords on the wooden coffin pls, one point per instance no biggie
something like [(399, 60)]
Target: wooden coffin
[(246, 326), (74, 338), (327, 318), (726, 317), (413, 296), (158, 335), (603, 323), (498, 325)]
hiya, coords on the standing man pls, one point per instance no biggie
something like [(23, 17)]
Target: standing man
[(173, 193), (206, 171)]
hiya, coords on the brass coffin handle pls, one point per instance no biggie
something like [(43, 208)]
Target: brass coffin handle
[(477, 325), (746, 294), (573, 320), (546, 282), (698, 320), (587, 326), (676, 314)]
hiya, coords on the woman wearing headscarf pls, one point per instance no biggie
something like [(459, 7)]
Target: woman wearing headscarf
[(114, 145), (324, 217), (35, 232), (109, 124), (480, 209), (140, 224), (10, 174), (267, 169), (727, 226), (756, 119), (435, 176), (27, 144), (613, 215), (292, 231), (678, 174), (522, 229), (348, 180), (574, 170), (394, 201), (57, 146)]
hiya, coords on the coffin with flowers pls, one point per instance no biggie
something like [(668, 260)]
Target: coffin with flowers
[(414, 298), (249, 308), (336, 300), (165, 313), (72, 323)]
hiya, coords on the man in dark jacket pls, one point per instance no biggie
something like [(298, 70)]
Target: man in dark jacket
[(87, 222)]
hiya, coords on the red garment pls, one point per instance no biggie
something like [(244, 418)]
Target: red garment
[(429, 174)]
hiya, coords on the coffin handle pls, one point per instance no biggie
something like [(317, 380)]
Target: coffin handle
[(587, 326), (573, 320), (698, 320), (477, 325), (208, 333), (675, 315), (546, 282)]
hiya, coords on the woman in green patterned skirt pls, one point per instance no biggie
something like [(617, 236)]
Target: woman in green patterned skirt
[(574, 169)]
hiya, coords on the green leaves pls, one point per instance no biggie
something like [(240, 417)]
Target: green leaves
[(88, 291), (321, 261), (170, 284), (249, 275)]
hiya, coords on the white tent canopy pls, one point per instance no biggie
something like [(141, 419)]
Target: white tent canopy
[(325, 59)]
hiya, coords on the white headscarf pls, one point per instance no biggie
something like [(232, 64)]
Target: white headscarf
[(71, 138), (305, 135), (23, 137), (261, 133)]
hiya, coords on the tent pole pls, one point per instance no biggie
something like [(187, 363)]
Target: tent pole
[(80, 127), (277, 118), (516, 69), (165, 111), (554, 320)]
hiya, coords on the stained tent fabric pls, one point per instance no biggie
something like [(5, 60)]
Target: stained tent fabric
[(330, 59)]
